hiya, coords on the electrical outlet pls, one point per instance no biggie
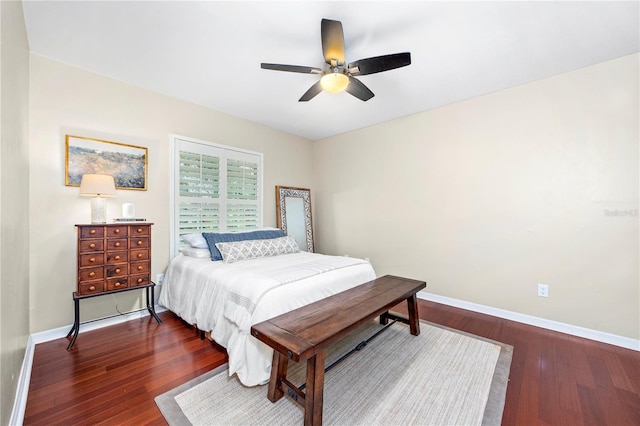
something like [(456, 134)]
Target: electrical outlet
[(543, 290), (159, 278)]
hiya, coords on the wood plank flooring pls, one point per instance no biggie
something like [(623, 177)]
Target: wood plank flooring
[(113, 374)]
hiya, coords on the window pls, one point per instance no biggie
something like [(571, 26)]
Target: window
[(214, 188)]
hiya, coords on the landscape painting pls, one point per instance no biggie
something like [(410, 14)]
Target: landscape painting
[(126, 163)]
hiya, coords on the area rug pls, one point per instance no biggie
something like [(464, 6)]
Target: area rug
[(441, 377)]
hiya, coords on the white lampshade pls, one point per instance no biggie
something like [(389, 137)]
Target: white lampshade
[(93, 185), (99, 187)]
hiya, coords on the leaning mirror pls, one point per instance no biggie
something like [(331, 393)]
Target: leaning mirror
[(293, 208)]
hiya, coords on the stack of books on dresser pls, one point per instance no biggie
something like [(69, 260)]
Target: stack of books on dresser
[(129, 219)]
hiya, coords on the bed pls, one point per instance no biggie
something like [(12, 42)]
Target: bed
[(226, 298)]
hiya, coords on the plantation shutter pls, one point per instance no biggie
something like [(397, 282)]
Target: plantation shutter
[(215, 189), (199, 186), (243, 186)]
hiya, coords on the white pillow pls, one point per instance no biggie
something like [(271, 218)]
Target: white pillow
[(200, 253), (196, 240), (235, 251)]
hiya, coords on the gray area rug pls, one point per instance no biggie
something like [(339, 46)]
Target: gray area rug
[(441, 377)]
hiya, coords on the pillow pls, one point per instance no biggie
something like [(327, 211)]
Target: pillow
[(215, 237), (196, 240), (200, 253), (253, 249)]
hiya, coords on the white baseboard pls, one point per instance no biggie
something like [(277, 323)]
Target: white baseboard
[(573, 330), (22, 390)]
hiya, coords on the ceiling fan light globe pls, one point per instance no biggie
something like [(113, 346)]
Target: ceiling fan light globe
[(334, 82)]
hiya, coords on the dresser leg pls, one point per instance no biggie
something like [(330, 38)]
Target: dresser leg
[(76, 323), (150, 304)]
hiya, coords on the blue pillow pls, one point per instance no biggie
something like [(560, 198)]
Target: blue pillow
[(215, 237)]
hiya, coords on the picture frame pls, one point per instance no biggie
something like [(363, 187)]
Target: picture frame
[(126, 163)]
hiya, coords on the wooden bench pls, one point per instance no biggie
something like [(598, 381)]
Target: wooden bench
[(304, 334)]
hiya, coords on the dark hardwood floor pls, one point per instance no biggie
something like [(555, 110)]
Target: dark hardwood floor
[(113, 374)]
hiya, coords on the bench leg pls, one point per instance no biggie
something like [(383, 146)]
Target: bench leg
[(315, 387), (414, 319), (278, 372)]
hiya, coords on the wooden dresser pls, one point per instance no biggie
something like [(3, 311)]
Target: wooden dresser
[(113, 256)]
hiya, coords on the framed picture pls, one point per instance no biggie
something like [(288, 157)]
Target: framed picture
[(126, 163)]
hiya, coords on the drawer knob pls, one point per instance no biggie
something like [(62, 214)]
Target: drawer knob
[(92, 288), (117, 244), (140, 268), (93, 259), (139, 255), (116, 285), (117, 257), (116, 231), (117, 270), (93, 231), (92, 274), (139, 230), (139, 243), (92, 245), (139, 280)]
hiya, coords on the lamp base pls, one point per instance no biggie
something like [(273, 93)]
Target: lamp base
[(98, 210)]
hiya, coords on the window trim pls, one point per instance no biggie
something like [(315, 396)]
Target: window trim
[(173, 157)]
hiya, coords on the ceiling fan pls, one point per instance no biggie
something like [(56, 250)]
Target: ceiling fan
[(339, 76)]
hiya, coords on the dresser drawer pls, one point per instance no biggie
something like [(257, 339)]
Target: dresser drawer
[(117, 257), (140, 230), (116, 244), (91, 287), (117, 231), (89, 274), (117, 283), (136, 280), (139, 255), (140, 268), (121, 270), (139, 242), (91, 246), (92, 232), (91, 259)]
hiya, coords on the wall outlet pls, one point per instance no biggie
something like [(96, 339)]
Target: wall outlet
[(543, 290), (159, 278)]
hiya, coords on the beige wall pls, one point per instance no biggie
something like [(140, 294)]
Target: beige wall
[(486, 198), (66, 100), (14, 201)]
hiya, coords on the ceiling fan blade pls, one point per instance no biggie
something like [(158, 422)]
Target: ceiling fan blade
[(358, 89), (311, 93), (380, 63), (291, 68), (332, 41)]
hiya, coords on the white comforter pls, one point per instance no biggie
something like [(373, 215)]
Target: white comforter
[(227, 299)]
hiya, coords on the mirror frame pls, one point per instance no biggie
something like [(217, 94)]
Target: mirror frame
[(282, 193)]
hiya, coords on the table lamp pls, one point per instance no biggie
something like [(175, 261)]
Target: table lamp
[(99, 187)]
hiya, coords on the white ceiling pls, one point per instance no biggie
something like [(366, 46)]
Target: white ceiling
[(209, 52)]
